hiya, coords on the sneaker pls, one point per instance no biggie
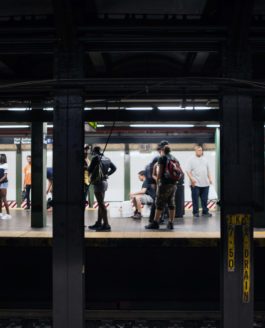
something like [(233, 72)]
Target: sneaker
[(207, 215), (154, 225), (137, 216), (170, 225), (196, 215), (134, 213), (104, 227), (6, 217), (95, 226)]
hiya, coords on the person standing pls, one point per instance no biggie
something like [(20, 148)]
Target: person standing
[(166, 189), (3, 187), (27, 181), (199, 174), (99, 170)]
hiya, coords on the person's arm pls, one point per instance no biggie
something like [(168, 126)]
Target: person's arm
[(209, 174), (192, 180), (141, 192), (3, 178), (112, 169)]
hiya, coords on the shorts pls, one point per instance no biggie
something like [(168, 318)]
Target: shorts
[(166, 195), (146, 199), (4, 185)]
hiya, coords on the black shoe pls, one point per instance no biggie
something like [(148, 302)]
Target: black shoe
[(95, 226), (153, 225), (196, 215), (207, 215), (170, 225), (27, 208), (104, 227)]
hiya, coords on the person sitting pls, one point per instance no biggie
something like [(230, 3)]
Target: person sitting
[(145, 196)]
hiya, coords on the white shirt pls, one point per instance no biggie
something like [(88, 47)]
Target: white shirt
[(199, 169)]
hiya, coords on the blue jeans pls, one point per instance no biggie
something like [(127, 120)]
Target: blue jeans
[(201, 192)]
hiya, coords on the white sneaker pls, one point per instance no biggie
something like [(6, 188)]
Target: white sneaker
[(6, 217)]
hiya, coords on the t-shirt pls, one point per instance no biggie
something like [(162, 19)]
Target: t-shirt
[(199, 168), (27, 174), (3, 171), (163, 161), (149, 189)]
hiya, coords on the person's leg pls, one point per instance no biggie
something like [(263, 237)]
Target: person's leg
[(5, 201), (204, 191), (195, 200), (28, 187), (101, 206), (152, 212)]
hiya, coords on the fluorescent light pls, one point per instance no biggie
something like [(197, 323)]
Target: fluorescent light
[(87, 108), (18, 109), (49, 125), (100, 126), (14, 126), (48, 108), (202, 107), (139, 108), (213, 126), (161, 125), (170, 108)]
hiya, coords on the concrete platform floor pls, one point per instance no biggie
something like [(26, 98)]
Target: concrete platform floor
[(187, 227)]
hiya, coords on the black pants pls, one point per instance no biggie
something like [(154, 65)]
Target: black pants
[(27, 195), (102, 211)]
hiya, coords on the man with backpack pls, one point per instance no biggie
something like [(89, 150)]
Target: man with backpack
[(99, 170), (169, 172)]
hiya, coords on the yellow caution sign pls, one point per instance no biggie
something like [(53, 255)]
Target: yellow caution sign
[(243, 221), (246, 261), (231, 248)]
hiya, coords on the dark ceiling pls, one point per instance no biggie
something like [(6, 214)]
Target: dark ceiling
[(166, 47)]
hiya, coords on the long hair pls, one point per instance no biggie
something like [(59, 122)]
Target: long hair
[(3, 159)]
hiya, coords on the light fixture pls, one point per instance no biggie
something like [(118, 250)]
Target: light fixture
[(48, 109), (14, 126), (87, 108), (18, 109), (213, 126), (170, 108), (49, 125), (139, 108), (162, 125), (100, 126)]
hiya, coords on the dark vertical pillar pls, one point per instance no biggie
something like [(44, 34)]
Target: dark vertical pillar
[(258, 163), (18, 175), (68, 211), (38, 174), (236, 211), (127, 172)]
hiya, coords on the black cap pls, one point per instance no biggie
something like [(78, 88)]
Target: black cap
[(162, 144)]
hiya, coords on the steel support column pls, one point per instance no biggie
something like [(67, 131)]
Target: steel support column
[(18, 175), (68, 213), (127, 172), (258, 163), (237, 211), (39, 159)]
